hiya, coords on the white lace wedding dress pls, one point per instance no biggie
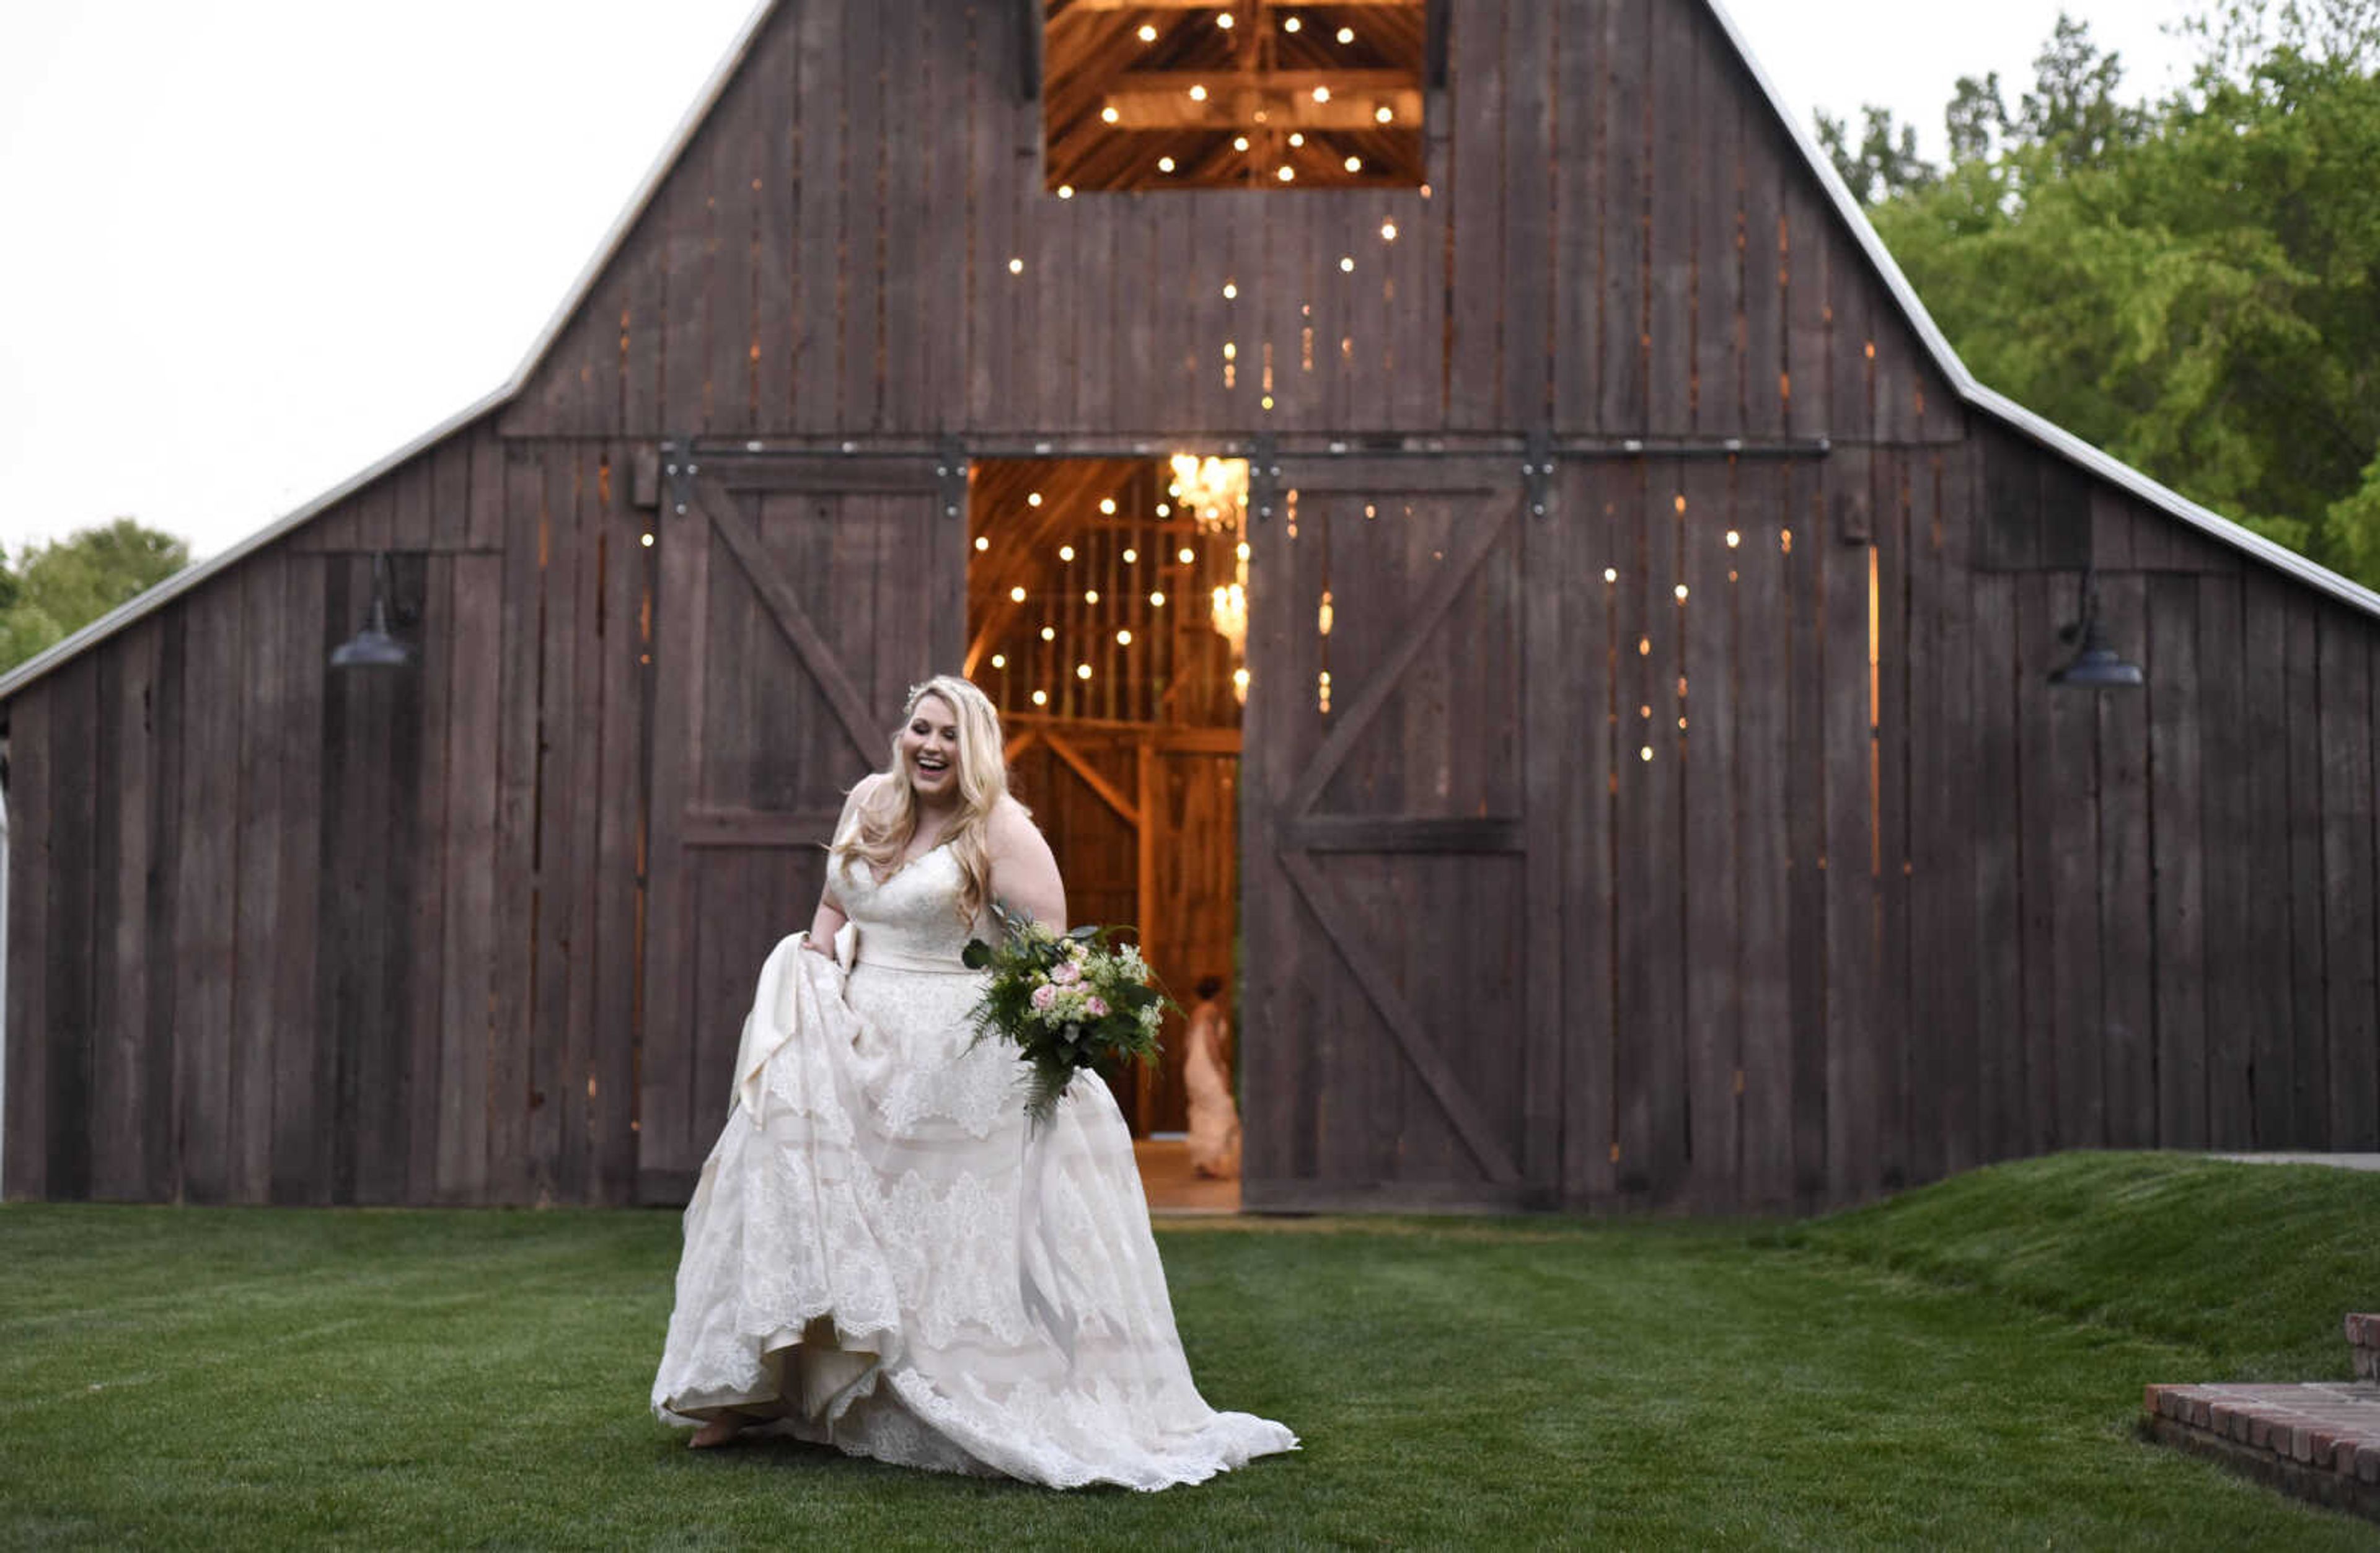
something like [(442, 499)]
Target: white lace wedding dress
[(877, 1256)]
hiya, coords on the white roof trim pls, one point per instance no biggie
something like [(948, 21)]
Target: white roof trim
[(2046, 433), (189, 576), (192, 577), (2055, 438)]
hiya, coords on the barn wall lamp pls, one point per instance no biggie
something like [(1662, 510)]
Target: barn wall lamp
[(2096, 665), (373, 647)]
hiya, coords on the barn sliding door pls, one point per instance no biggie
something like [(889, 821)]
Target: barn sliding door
[(799, 600), (1403, 757)]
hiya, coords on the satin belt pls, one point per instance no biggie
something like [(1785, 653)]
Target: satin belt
[(871, 957)]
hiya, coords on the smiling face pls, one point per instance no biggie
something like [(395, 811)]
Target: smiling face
[(929, 751)]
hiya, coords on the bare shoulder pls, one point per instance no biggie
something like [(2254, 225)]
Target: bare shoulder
[(1010, 830)]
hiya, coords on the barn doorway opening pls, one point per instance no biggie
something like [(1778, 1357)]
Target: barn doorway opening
[(1107, 620)]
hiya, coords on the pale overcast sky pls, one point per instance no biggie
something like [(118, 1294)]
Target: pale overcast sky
[(251, 246)]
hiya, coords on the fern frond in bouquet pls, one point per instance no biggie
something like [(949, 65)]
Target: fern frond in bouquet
[(1066, 1001)]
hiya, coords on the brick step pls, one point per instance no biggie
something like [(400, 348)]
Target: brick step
[(2319, 1440), (2363, 1342)]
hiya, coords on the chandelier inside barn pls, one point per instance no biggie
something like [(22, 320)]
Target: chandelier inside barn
[(1214, 491)]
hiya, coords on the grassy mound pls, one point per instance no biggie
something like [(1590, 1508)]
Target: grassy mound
[(2251, 1265)]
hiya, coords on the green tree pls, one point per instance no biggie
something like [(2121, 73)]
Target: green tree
[(51, 589), (2189, 287), (1885, 164)]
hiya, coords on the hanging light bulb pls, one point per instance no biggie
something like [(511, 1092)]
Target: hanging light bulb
[(1165, 164), (1040, 697), (1354, 165), (1148, 33), (1107, 505), (1065, 552), (1017, 595), (1290, 24), (1157, 600), (982, 542), (1130, 556), (1049, 633), (1346, 34), (1000, 659)]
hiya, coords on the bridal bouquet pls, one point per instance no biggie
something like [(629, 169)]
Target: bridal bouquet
[(1065, 1000)]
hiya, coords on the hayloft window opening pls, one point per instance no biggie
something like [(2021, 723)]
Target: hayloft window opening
[(1252, 95)]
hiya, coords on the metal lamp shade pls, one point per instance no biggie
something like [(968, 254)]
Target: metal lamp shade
[(373, 647), (2096, 665)]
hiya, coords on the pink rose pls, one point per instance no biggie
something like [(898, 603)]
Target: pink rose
[(1095, 1006), (1066, 973), (1043, 996)]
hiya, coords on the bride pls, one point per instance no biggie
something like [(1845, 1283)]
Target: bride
[(879, 1255)]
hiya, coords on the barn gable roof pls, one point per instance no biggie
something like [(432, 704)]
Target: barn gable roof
[(2046, 433)]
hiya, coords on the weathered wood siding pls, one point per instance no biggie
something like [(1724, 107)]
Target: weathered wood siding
[(303, 935), (1879, 904), (1617, 238)]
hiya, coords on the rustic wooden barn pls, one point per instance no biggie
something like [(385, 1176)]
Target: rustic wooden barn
[(1647, 791)]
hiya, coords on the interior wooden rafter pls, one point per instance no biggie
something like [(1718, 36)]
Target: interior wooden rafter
[(1120, 112)]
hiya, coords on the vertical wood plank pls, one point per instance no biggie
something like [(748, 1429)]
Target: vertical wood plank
[(424, 969), (1766, 269), (1591, 497), (1673, 121), (2226, 824), (299, 1171), (1853, 1087), (2269, 1037), (510, 1079), (2039, 796), (1478, 95), (205, 931), (686, 240), (2310, 1060), (2127, 903), (469, 980), (2177, 859), (2075, 801), (2000, 1014), (1529, 194), (1703, 708), (265, 676), (2349, 869), (1803, 543), (24, 1168), (1624, 238), (1762, 671), (732, 296), (73, 871), (1718, 240), (1889, 672), (1576, 155), (123, 1088)]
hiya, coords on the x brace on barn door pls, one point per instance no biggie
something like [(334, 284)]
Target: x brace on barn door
[(1298, 831)]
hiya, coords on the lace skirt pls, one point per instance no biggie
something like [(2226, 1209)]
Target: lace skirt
[(879, 1257)]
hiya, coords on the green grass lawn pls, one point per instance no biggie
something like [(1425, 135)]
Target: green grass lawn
[(1962, 1367)]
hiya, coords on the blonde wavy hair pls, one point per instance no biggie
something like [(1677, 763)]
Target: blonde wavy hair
[(887, 821)]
